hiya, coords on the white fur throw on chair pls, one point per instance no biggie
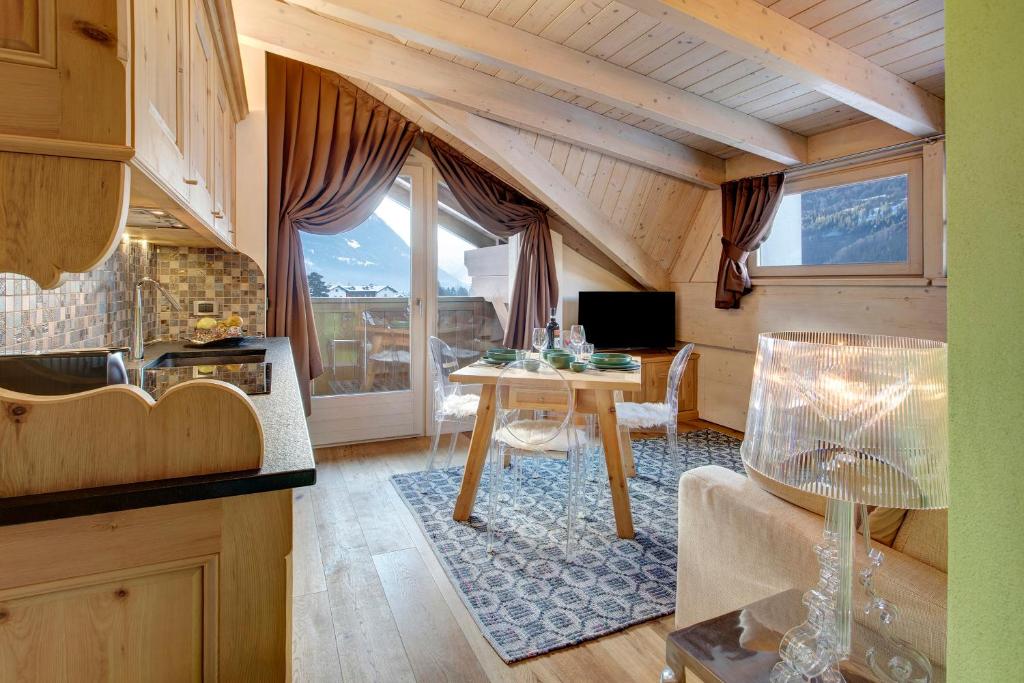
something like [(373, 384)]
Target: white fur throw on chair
[(460, 405), (640, 415)]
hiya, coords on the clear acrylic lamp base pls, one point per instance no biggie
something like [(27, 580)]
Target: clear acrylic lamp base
[(813, 650)]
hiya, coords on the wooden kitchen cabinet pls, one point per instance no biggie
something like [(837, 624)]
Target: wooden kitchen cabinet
[(64, 68), (654, 369), (197, 591), (224, 165), (148, 91), (161, 96), (201, 73)]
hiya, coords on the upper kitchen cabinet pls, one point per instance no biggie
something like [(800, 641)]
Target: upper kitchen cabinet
[(161, 99), (109, 103), (65, 133), (189, 96), (64, 77)]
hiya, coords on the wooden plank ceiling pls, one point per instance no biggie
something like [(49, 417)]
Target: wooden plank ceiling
[(625, 174), (906, 37)]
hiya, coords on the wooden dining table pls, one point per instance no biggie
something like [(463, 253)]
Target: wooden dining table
[(595, 392)]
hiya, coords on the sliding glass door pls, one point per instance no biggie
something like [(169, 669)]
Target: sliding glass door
[(367, 290), (418, 266)]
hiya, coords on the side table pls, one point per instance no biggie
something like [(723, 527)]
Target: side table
[(743, 646)]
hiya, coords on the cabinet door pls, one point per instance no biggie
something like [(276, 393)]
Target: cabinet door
[(161, 61), (144, 624), (224, 164), (202, 64), (63, 77)]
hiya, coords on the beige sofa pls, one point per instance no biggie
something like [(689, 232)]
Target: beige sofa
[(738, 544)]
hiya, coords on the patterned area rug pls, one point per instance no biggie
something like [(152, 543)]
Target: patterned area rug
[(525, 597)]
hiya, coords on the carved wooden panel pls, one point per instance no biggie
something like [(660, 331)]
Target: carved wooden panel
[(119, 435), (59, 214)]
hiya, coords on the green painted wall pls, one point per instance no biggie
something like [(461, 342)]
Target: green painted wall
[(985, 169)]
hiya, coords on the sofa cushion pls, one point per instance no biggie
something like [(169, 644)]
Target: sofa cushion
[(923, 537), (885, 522)]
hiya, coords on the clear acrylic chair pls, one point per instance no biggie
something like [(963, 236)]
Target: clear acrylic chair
[(453, 402), (534, 419), (659, 415)]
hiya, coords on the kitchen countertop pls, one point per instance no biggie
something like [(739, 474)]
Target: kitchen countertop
[(287, 455)]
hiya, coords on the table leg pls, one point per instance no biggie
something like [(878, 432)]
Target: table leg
[(477, 460), (613, 459), (626, 445)]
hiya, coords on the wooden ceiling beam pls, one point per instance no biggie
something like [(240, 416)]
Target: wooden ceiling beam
[(306, 36), (755, 32), (466, 34), (503, 145)]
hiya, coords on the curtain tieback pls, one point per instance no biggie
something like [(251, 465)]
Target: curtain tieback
[(733, 252)]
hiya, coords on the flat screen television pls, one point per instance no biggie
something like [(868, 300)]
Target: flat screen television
[(629, 320)]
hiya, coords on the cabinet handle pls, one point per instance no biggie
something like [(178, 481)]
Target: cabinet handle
[(218, 214), (191, 181)]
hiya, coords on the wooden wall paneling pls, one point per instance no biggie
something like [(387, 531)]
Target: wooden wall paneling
[(704, 226), (723, 386), (707, 267), (904, 311), (934, 209), (34, 227)]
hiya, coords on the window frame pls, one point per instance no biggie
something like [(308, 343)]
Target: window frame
[(909, 165)]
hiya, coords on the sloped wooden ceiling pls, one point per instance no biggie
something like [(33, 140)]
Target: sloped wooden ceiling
[(609, 111)]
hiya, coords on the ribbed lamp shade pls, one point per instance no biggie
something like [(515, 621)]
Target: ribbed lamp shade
[(852, 417)]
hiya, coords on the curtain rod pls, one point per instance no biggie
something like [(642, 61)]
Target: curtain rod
[(867, 154)]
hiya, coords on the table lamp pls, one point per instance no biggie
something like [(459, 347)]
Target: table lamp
[(858, 419)]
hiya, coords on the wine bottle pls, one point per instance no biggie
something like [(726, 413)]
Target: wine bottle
[(552, 329)]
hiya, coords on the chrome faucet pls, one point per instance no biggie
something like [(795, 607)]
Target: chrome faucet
[(137, 347)]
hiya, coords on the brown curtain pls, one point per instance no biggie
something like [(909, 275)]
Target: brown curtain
[(333, 152), (748, 209), (504, 211)]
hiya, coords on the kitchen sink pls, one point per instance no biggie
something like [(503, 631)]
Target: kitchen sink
[(247, 369), (189, 359)]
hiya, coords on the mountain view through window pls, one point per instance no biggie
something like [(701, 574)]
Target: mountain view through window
[(373, 259), (865, 222)]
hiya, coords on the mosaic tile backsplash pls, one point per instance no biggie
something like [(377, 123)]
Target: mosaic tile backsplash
[(94, 309)]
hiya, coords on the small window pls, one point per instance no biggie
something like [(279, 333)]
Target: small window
[(860, 221)]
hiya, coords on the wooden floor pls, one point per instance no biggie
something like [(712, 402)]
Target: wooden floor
[(372, 602)]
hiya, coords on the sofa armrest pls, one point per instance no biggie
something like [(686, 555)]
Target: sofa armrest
[(739, 544)]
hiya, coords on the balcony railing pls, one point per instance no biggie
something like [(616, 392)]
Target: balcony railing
[(364, 342)]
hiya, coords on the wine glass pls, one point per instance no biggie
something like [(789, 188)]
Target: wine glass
[(539, 339), (577, 337)]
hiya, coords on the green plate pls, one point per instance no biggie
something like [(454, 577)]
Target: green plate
[(602, 361), (611, 356), (621, 368), (494, 361)]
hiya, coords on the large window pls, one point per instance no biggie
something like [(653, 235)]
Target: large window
[(861, 221)]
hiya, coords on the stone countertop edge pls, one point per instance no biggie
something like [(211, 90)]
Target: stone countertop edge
[(287, 455)]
